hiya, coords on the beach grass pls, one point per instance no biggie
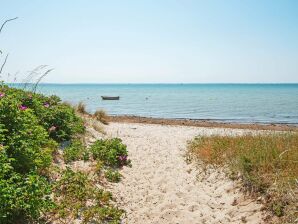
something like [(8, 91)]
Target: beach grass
[(101, 116), (81, 108), (266, 163)]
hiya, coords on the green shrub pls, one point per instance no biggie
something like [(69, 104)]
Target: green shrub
[(99, 166), (58, 119), (75, 151), (27, 142), (31, 126), (76, 189), (110, 214), (111, 151), (86, 155), (22, 197), (61, 122), (113, 175)]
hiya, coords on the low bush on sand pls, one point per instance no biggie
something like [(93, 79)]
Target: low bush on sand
[(113, 175), (111, 151), (75, 151), (266, 163), (111, 155), (77, 196)]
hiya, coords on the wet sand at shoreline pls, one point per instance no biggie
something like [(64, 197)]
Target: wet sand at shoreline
[(201, 123)]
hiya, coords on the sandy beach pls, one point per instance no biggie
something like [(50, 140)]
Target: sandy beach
[(161, 187), (149, 112)]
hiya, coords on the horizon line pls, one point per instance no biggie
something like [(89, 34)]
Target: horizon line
[(154, 83)]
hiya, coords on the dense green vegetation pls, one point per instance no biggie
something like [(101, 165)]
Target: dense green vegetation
[(75, 151), (111, 151), (266, 163), (32, 189)]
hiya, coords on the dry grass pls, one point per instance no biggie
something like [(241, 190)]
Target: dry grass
[(101, 116), (81, 108), (267, 164)]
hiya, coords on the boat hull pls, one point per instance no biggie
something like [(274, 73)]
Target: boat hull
[(110, 97)]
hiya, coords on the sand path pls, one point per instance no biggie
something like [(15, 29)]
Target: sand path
[(161, 187)]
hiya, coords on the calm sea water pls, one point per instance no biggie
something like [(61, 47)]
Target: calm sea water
[(244, 103)]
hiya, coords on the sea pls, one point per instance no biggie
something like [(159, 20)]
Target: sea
[(239, 103)]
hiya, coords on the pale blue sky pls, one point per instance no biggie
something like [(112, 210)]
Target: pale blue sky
[(141, 41)]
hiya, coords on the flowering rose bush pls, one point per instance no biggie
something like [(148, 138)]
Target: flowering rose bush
[(31, 127), (111, 151), (50, 112)]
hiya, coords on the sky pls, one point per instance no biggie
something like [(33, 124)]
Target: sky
[(152, 41)]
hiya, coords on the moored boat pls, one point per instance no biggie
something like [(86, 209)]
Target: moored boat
[(110, 97)]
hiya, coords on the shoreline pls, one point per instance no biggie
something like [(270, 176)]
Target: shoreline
[(200, 123)]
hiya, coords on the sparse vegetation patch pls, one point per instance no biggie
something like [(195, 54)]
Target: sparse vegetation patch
[(77, 196), (113, 175), (266, 163)]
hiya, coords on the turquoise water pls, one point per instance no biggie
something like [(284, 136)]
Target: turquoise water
[(244, 103)]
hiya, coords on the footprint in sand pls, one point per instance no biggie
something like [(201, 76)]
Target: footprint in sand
[(193, 208)]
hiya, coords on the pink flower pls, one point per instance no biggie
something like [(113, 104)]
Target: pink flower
[(123, 158), (23, 107), (46, 105), (2, 95)]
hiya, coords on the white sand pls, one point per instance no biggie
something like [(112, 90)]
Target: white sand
[(162, 188)]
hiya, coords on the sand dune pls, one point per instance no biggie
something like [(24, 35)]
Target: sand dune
[(161, 187)]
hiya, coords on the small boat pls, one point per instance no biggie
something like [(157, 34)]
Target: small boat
[(110, 97)]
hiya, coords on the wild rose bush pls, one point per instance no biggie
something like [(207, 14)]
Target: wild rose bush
[(55, 117), (111, 151), (31, 127)]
